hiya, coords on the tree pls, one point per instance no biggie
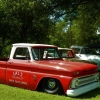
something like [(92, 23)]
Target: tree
[(61, 34), (23, 21), (31, 20), (85, 25)]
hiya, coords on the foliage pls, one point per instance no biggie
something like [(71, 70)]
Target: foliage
[(29, 19), (22, 21), (83, 22), (40, 21), (58, 36), (84, 26)]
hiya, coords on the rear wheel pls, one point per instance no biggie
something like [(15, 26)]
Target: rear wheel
[(51, 86)]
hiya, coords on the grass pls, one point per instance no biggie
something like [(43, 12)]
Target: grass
[(14, 93)]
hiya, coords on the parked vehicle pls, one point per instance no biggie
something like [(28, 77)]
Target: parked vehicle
[(66, 52), (86, 53), (69, 54), (40, 66)]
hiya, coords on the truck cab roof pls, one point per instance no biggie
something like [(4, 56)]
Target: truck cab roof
[(32, 45)]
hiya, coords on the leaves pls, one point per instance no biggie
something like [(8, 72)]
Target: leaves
[(47, 21)]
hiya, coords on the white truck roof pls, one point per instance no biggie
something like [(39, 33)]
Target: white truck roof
[(31, 45)]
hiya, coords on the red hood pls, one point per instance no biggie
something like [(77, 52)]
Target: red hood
[(63, 67)]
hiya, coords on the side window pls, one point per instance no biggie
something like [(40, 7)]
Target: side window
[(82, 51), (77, 51), (21, 53), (50, 53), (64, 54)]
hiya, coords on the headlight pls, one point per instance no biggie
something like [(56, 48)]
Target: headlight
[(75, 83)]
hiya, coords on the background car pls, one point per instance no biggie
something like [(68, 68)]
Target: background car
[(86, 53), (70, 54)]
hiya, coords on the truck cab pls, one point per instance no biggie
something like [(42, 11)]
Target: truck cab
[(37, 52)]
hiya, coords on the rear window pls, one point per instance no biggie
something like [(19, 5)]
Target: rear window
[(21, 53)]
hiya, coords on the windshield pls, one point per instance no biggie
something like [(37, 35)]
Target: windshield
[(66, 53), (89, 51), (45, 53)]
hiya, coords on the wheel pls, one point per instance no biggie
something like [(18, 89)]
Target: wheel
[(51, 86)]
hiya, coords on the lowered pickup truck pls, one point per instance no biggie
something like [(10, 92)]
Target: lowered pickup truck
[(39, 66)]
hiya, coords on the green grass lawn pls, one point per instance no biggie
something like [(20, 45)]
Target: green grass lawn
[(14, 93)]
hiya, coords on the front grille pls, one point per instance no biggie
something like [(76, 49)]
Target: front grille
[(77, 82), (86, 80)]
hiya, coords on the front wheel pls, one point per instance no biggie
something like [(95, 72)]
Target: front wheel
[(51, 86)]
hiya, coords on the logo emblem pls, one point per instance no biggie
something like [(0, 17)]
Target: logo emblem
[(17, 75)]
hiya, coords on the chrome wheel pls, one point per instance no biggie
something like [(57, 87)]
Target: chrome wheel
[(51, 86)]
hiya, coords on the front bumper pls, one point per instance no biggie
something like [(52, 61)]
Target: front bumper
[(82, 89)]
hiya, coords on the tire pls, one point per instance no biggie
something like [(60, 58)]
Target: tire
[(51, 86)]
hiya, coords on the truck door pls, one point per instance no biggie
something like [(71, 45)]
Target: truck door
[(18, 69)]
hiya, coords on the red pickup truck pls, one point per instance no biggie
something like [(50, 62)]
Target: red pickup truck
[(39, 66)]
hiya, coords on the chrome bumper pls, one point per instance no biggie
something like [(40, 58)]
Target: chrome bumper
[(83, 89)]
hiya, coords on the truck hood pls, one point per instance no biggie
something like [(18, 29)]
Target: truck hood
[(69, 67)]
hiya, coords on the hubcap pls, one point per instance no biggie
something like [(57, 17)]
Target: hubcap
[(51, 83)]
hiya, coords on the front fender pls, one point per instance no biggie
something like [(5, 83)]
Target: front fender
[(36, 79)]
